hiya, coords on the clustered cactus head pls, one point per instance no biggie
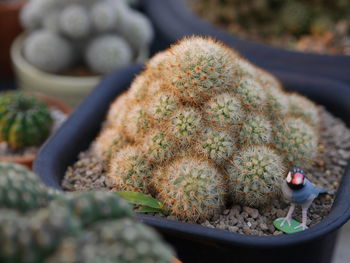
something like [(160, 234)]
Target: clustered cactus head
[(215, 121), (24, 120), (106, 35), (40, 225)]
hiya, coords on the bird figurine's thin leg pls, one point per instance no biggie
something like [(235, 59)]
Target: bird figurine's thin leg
[(289, 215), (305, 207)]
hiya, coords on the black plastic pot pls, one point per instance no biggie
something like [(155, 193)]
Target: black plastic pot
[(195, 243), (173, 20)]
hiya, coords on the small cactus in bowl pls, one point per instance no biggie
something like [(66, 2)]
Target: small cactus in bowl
[(101, 35), (218, 129), (24, 120), (41, 225)]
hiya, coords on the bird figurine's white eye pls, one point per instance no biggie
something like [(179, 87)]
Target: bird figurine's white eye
[(289, 177)]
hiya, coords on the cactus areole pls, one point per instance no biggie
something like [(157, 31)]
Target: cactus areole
[(201, 126)]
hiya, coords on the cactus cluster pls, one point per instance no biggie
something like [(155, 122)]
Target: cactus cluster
[(24, 120), (270, 19), (219, 128), (39, 225), (105, 34)]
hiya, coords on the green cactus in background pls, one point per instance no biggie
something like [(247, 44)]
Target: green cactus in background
[(103, 35), (69, 227), (107, 53), (186, 142), (48, 51), (24, 120), (287, 24)]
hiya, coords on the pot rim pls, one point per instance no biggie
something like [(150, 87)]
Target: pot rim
[(339, 214), (28, 160), (21, 63)]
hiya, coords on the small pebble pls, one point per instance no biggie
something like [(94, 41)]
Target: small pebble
[(254, 213)]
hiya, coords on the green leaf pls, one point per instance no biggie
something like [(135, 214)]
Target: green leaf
[(286, 228), (141, 199), (149, 210)]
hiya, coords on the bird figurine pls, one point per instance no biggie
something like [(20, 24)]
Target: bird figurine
[(299, 190)]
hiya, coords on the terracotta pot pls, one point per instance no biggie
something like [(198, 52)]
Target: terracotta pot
[(28, 159), (9, 29), (176, 261)]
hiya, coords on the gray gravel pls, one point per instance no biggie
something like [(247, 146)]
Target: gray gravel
[(87, 173)]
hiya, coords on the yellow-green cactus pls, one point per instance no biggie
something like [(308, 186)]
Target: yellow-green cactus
[(24, 120)]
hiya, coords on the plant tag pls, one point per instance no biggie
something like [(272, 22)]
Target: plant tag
[(286, 228)]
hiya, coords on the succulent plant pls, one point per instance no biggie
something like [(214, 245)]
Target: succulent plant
[(105, 35), (114, 241), (24, 120), (20, 189), (130, 170), (108, 53), (255, 175), (75, 21), (191, 188), (276, 22), (71, 227), (48, 51), (199, 118), (297, 141)]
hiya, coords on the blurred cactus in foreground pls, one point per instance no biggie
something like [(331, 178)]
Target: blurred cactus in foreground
[(41, 225)]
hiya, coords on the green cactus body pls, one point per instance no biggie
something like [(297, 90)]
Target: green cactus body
[(200, 70), (253, 96), (191, 189), (160, 147), (20, 189), (255, 175), (101, 35), (301, 107), (24, 121), (118, 241), (185, 124), (137, 122), (216, 145), (48, 51), (164, 106), (277, 103), (297, 141), (129, 170), (34, 237), (255, 130), (225, 111), (93, 206)]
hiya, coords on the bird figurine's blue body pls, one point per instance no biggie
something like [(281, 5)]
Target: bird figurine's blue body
[(298, 190)]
